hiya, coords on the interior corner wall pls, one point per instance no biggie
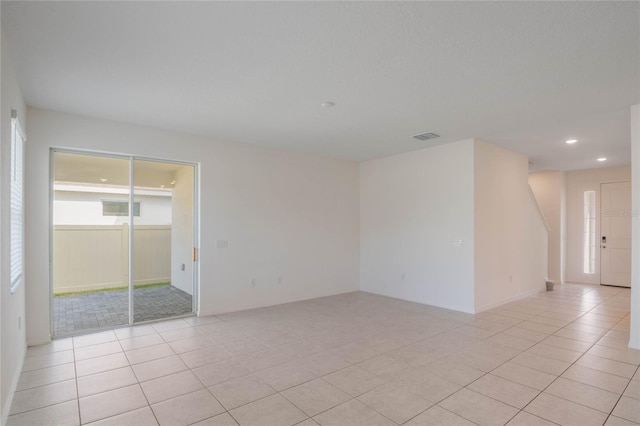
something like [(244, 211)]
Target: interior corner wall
[(579, 181), (182, 230), (12, 305), (634, 331), (284, 214), (414, 207), (549, 189), (510, 233)]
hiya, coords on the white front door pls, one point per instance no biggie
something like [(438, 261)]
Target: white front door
[(615, 234)]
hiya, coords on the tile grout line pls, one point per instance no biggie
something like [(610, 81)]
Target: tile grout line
[(622, 394), (75, 372), (573, 363), (540, 392), (387, 352)]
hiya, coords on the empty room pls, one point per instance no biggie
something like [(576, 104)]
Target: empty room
[(319, 213)]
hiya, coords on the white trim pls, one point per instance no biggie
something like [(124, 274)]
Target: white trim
[(109, 189), (13, 387), (132, 191), (508, 300), (456, 308)]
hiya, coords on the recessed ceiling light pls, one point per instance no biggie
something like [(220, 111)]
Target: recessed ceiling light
[(571, 141), (602, 159), (161, 186), (327, 104), (103, 180), (173, 182)]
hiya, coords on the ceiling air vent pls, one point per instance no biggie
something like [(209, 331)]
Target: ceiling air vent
[(426, 136)]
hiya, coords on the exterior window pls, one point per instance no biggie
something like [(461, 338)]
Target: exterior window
[(589, 236), (119, 208), (16, 214)]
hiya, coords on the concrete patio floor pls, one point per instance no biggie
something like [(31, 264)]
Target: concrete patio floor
[(75, 313)]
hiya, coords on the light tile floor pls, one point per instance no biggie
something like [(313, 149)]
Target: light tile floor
[(355, 359)]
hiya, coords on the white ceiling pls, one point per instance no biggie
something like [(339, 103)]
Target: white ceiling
[(523, 75)]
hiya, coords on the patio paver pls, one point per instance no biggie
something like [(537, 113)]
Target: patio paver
[(74, 313)]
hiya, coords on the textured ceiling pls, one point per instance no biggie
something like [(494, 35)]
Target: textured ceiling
[(523, 75)]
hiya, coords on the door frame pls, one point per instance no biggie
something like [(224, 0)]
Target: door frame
[(195, 299)]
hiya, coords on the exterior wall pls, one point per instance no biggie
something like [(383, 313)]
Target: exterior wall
[(85, 208), (182, 230)]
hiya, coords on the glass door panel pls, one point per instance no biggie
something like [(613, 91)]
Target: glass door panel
[(163, 280), (90, 242)]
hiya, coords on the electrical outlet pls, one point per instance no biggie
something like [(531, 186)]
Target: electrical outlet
[(402, 277), (20, 323), (279, 280), (222, 244), (253, 282), (457, 243)]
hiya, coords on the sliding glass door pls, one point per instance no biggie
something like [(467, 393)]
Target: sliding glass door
[(163, 264), (123, 238)]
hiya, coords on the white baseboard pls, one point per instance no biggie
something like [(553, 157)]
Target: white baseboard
[(12, 388), (457, 308), (508, 300)]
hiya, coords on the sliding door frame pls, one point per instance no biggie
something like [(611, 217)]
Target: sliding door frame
[(196, 230)]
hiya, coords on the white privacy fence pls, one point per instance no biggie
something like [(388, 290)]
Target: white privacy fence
[(93, 257)]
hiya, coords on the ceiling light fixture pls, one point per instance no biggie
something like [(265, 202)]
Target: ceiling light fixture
[(571, 141), (602, 159), (327, 104), (103, 180)]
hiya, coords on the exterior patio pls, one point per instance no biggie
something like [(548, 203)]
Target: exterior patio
[(74, 313)]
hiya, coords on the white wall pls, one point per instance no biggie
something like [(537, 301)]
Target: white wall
[(634, 332), (85, 208), (578, 182), (413, 207), (182, 230), (12, 307), (549, 188), (510, 234), (284, 214)]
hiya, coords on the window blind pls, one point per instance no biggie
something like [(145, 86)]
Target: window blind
[(17, 202)]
